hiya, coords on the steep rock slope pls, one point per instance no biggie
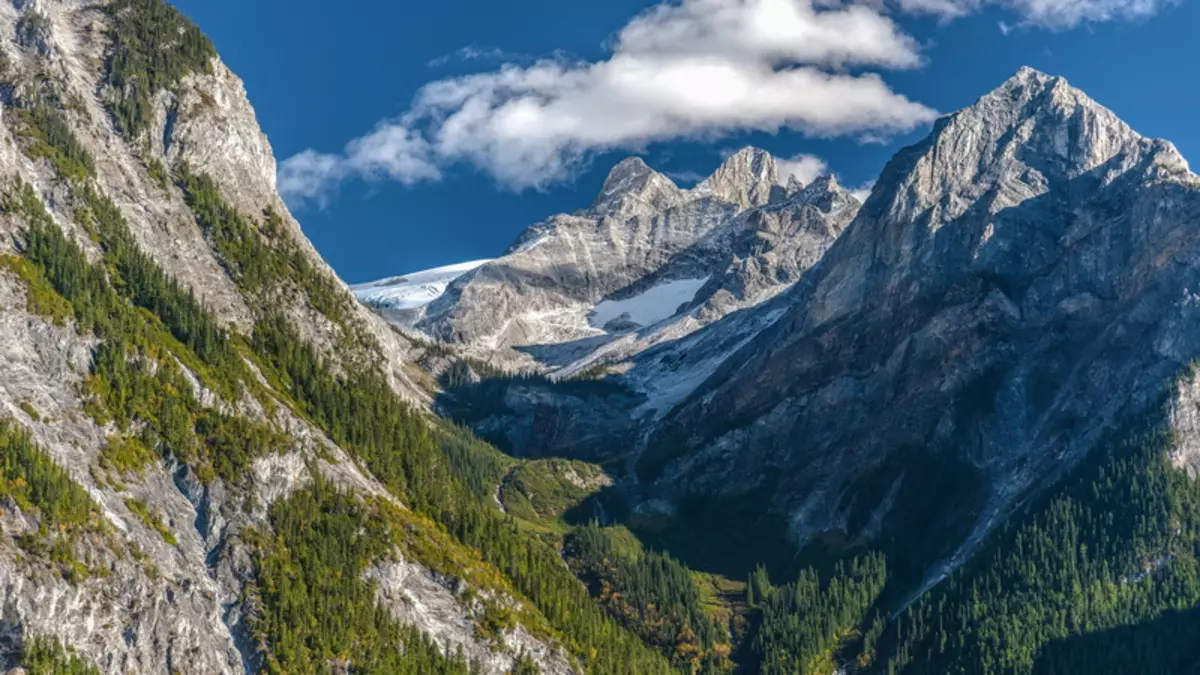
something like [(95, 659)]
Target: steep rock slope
[(1017, 287), (209, 460)]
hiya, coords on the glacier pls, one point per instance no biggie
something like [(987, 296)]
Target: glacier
[(413, 290)]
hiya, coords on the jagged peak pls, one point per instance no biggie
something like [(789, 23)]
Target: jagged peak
[(748, 178), (794, 185), (825, 193), (633, 181), (826, 182), (1031, 99), (1031, 133)]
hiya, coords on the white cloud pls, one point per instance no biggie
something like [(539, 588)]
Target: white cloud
[(1052, 14), (1071, 13), (863, 191), (686, 69), (390, 152), (686, 177), (804, 167)]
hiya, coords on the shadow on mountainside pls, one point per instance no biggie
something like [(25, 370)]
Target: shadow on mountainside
[(1168, 645), (966, 420)]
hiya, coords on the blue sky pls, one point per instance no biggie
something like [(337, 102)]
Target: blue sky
[(320, 77)]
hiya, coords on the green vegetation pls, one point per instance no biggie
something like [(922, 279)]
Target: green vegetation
[(40, 297), (158, 173), (148, 325), (30, 410), (145, 284), (364, 416), (317, 609), (264, 258), (31, 478), (45, 656), (154, 47), (231, 443), (653, 595), (151, 519), (804, 623), (126, 456), (1114, 548), (39, 487), (47, 135), (546, 489)]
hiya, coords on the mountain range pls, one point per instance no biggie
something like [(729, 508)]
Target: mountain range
[(752, 426)]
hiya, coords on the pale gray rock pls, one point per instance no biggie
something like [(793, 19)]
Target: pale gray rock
[(417, 596), (749, 178)]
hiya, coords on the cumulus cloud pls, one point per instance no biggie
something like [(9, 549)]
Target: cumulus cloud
[(806, 168), (1052, 14), (683, 69)]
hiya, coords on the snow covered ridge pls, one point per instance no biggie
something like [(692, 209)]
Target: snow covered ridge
[(415, 290), (650, 306)]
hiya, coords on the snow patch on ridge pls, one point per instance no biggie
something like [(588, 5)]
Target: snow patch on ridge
[(650, 306), (415, 290)]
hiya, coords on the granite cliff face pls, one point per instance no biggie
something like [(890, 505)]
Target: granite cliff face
[(164, 579)]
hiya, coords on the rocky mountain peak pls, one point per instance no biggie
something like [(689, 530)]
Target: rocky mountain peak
[(825, 193), (748, 178), (632, 183), (1033, 133), (1043, 114)]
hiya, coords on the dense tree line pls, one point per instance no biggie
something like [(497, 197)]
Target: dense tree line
[(135, 379), (803, 624), (653, 595), (38, 485), (149, 287), (1115, 546), (47, 135), (62, 509)]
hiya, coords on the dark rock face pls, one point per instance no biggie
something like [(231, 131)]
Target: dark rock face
[(1017, 284)]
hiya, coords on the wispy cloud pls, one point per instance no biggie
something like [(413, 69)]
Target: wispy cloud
[(476, 53), (687, 69), (1052, 14), (686, 177)]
